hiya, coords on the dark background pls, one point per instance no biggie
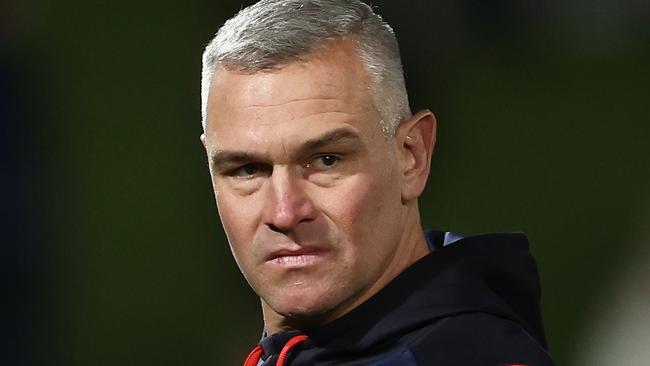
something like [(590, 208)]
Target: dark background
[(112, 249)]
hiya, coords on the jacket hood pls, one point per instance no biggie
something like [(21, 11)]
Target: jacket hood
[(492, 273)]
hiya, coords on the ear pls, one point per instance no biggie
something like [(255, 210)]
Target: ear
[(416, 138)]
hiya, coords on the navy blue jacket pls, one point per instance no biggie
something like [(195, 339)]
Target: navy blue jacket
[(473, 302)]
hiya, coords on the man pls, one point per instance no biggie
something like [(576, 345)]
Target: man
[(317, 164)]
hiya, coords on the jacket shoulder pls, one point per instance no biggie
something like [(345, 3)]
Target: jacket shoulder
[(478, 339)]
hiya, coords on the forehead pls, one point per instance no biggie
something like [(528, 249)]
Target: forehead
[(331, 87)]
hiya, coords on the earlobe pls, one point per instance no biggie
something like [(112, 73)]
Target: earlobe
[(416, 137)]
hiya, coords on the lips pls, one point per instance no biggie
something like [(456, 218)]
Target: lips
[(295, 257)]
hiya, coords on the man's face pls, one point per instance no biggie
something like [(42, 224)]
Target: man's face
[(307, 186)]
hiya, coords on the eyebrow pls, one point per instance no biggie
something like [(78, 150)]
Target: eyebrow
[(340, 136)]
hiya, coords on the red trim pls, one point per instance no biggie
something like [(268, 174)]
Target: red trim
[(287, 348), (254, 357)]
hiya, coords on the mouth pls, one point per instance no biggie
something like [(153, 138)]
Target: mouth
[(301, 257)]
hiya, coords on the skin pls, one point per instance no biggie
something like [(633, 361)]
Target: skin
[(319, 206)]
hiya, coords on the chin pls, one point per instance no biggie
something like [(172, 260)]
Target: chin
[(305, 309)]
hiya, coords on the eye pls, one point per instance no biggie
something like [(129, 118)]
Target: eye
[(323, 162), (247, 170)]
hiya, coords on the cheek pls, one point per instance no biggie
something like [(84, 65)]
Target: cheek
[(368, 212), (238, 220), (353, 208)]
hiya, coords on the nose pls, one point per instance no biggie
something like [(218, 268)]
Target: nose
[(288, 204)]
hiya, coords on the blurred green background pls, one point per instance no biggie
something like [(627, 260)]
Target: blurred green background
[(543, 111)]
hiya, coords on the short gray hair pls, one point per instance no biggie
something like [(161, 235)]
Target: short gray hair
[(273, 33)]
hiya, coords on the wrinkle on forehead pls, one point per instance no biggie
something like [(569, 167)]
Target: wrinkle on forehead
[(334, 116), (294, 100), (278, 111)]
